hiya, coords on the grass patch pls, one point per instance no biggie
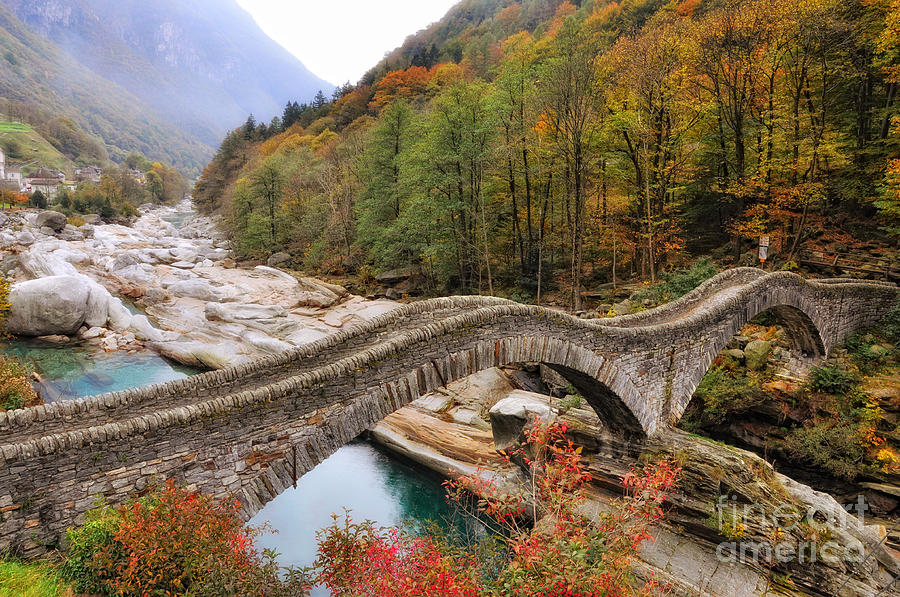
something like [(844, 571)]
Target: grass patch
[(31, 580), (13, 127)]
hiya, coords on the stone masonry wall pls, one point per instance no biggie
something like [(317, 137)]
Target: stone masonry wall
[(250, 431)]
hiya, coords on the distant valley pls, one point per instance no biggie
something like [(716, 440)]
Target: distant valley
[(165, 79)]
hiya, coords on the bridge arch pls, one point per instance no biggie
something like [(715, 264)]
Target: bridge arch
[(807, 331), (604, 386), (240, 431)]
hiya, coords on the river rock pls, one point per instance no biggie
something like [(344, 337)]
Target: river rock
[(196, 289), (96, 312), (510, 416), (199, 354), (314, 299), (40, 263), (756, 353), (53, 220), (277, 259), (25, 238), (47, 306), (71, 234), (94, 332), (73, 256), (125, 259), (119, 317), (235, 312), (144, 330), (734, 353)]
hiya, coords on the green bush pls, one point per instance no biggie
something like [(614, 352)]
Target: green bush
[(831, 447), (677, 283), (724, 392), (890, 325), (830, 380), (85, 567)]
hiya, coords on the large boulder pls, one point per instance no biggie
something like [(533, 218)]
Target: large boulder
[(510, 416), (396, 275), (52, 305), (756, 354), (51, 219)]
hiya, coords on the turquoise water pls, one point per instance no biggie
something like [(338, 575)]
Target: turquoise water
[(359, 477), (69, 372), (367, 482)]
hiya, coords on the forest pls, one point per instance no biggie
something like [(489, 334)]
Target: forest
[(521, 147)]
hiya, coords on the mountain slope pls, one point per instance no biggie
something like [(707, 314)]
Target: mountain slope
[(203, 64), (35, 71)]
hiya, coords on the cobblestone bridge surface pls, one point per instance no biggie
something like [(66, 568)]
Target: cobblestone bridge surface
[(251, 430)]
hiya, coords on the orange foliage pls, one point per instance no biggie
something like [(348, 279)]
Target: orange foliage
[(687, 8), (351, 106), (509, 16), (396, 84)]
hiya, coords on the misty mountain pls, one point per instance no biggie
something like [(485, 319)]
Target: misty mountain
[(203, 65)]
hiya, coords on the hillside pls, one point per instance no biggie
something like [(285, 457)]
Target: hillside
[(471, 27), (24, 145), (535, 146), (201, 64), (36, 73)]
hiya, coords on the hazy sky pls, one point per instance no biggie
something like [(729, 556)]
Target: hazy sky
[(339, 40)]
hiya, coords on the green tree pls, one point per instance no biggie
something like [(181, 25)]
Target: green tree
[(39, 200), (381, 201), (267, 186)]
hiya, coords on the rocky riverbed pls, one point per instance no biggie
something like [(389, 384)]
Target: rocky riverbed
[(200, 308)]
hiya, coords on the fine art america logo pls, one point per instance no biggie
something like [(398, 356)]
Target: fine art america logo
[(790, 534)]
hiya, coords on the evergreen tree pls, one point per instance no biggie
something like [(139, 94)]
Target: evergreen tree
[(319, 101), (249, 128)]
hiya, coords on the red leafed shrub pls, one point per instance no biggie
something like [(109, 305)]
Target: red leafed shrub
[(363, 561), (565, 554), (174, 542)]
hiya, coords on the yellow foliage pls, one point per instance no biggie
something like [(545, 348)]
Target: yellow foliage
[(15, 389), (888, 460)]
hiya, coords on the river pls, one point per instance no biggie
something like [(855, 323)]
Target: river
[(359, 477)]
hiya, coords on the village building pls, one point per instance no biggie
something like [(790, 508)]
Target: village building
[(47, 182), (88, 174), (10, 176)]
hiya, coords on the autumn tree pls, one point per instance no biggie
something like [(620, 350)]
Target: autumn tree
[(567, 80)]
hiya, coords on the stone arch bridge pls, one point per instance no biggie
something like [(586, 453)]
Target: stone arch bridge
[(251, 430)]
